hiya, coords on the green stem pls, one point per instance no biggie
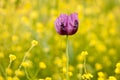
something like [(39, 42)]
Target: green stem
[(80, 73), (24, 58), (9, 64), (36, 74), (26, 54), (67, 58), (2, 71), (27, 75), (85, 64)]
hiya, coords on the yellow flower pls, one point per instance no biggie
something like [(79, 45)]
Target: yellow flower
[(48, 78), (117, 71), (34, 15), (25, 20), (1, 78), (118, 65), (58, 62), (64, 70), (71, 68), (9, 78), (15, 78), (98, 66), (70, 74), (42, 65), (79, 75), (9, 71), (80, 66), (19, 73), (56, 76), (100, 78), (101, 47), (64, 60), (26, 63), (112, 78), (87, 76), (34, 42), (12, 57), (112, 51), (82, 56), (101, 74), (1, 55), (84, 53), (40, 27), (41, 79), (14, 38)]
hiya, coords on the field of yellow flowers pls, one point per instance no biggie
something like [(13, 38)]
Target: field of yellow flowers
[(31, 49)]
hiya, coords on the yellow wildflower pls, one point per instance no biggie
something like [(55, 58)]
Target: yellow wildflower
[(14, 38), (9, 71), (12, 57), (71, 68), (34, 42), (1, 78), (34, 15), (19, 73), (64, 60), (87, 76), (1, 55), (98, 66), (64, 69), (9, 78), (112, 78), (15, 78), (58, 62), (80, 66), (48, 78), (42, 65), (100, 78), (118, 65), (25, 20), (70, 74), (79, 75), (82, 56), (26, 63), (117, 71), (40, 27), (41, 79), (84, 53), (101, 74)]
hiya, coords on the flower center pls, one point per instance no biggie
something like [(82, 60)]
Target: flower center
[(62, 25)]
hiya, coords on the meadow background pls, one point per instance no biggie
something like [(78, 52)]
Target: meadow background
[(22, 21)]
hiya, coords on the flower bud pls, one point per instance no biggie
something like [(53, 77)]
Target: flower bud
[(67, 24)]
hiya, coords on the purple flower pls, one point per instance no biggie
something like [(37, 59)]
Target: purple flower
[(67, 24)]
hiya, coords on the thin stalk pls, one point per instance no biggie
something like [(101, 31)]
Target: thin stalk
[(24, 58), (27, 75), (2, 71), (9, 64), (85, 64), (67, 58), (36, 74), (80, 73), (26, 54)]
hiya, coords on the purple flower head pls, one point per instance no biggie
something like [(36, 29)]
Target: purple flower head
[(67, 25)]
